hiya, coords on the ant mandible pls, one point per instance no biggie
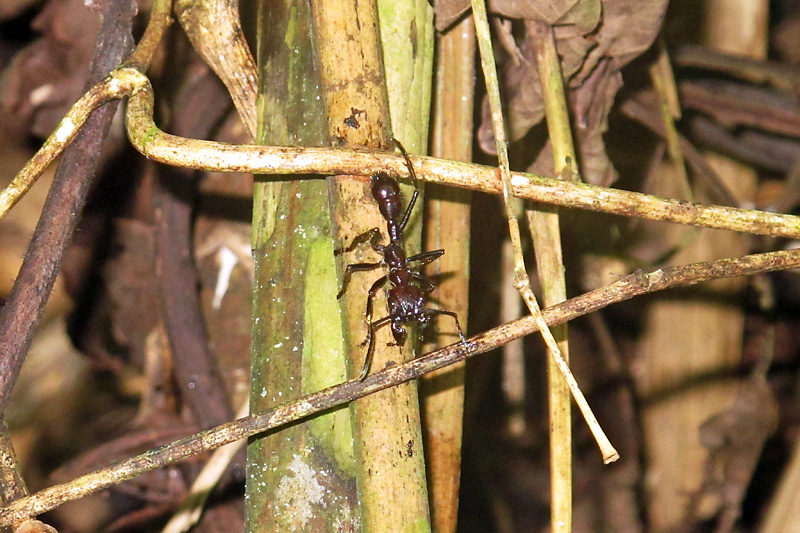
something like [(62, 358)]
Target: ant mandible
[(409, 290)]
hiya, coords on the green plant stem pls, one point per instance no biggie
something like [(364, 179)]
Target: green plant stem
[(546, 233), (302, 477), (390, 469)]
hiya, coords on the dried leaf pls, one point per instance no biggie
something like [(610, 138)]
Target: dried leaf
[(734, 439), (595, 40), (46, 77)]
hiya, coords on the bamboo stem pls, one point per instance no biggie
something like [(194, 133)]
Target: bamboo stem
[(386, 427)]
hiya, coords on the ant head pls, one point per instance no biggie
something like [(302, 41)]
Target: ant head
[(387, 194), (398, 332)]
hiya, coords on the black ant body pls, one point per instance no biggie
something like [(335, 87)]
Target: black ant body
[(409, 290)]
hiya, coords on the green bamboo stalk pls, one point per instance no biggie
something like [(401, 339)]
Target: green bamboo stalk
[(301, 478), (546, 233), (390, 464)]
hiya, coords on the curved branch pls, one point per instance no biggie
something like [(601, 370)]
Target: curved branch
[(222, 157), (215, 156)]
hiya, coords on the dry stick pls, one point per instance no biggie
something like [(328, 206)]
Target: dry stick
[(521, 281), (625, 288), (546, 233)]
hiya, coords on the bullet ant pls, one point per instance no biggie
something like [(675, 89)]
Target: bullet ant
[(409, 290)]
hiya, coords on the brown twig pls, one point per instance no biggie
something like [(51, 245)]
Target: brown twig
[(25, 305), (200, 106), (738, 105), (625, 288), (783, 76)]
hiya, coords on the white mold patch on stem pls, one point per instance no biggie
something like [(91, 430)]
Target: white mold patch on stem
[(65, 130)]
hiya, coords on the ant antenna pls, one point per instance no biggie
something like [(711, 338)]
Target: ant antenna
[(411, 172)]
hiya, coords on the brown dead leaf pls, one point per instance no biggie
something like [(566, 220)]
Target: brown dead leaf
[(594, 40), (131, 291), (46, 77), (554, 12), (734, 439)]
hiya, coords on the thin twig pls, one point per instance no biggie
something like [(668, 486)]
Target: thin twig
[(160, 19), (625, 288), (201, 104), (521, 280)]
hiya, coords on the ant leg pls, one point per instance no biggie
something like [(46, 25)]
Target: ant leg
[(355, 267), (413, 176), (371, 350), (370, 297), (455, 317), (426, 257), (372, 236), (423, 259)]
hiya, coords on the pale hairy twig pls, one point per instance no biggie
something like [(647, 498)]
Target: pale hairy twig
[(214, 156), (627, 287)]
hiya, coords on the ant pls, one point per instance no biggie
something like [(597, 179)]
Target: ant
[(409, 289)]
